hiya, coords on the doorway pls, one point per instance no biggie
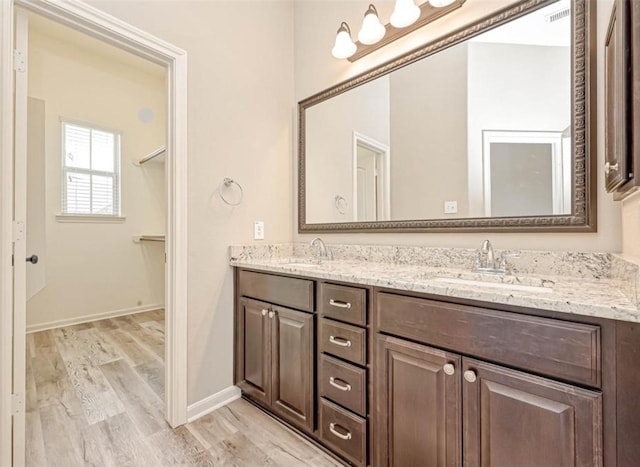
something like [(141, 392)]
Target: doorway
[(96, 217), (371, 190), (14, 231)]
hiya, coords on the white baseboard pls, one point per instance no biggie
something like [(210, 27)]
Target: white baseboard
[(88, 318), (213, 402)]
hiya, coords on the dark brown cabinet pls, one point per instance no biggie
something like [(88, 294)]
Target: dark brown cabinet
[(511, 418), (383, 377), (292, 366), (275, 359), (419, 405), (254, 350), (431, 403), (622, 100)]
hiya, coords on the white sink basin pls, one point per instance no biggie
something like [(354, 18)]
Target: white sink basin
[(495, 285)]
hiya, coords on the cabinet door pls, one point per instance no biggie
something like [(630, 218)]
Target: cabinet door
[(254, 349), (418, 405), (514, 419), (293, 365), (617, 123)]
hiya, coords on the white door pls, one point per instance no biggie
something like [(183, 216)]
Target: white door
[(19, 248), (367, 186)]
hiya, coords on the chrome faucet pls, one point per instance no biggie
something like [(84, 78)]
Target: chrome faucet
[(486, 253), (487, 262), (324, 251)]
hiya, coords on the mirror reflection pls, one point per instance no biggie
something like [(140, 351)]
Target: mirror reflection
[(481, 129)]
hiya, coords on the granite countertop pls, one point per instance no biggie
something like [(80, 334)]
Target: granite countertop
[(599, 293)]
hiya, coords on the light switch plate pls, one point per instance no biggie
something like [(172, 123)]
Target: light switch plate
[(450, 207), (258, 230)]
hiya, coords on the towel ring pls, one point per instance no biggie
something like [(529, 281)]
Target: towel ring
[(227, 182), (341, 204)]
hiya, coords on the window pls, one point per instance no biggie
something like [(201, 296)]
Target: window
[(91, 171)]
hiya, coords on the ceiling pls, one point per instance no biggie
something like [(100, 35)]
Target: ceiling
[(46, 27)]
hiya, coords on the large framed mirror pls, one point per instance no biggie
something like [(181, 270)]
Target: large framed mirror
[(489, 128)]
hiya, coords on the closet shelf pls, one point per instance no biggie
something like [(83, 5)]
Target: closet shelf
[(149, 238), (151, 156)]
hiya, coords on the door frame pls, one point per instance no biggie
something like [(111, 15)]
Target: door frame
[(560, 183), (90, 20), (384, 182)]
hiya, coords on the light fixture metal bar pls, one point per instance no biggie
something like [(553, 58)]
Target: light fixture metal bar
[(428, 14)]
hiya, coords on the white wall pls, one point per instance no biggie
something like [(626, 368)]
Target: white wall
[(631, 227), (93, 268), (429, 136), (315, 70), (241, 111), (330, 159)]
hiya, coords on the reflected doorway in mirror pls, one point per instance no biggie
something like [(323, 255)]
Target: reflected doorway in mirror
[(525, 173), (371, 180)]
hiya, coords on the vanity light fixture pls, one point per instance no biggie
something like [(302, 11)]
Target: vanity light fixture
[(405, 13), (440, 3), (344, 46), (372, 29), (406, 18)]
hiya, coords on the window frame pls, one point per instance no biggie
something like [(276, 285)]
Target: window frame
[(116, 175)]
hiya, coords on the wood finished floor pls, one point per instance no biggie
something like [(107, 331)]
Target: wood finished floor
[(95, 396)]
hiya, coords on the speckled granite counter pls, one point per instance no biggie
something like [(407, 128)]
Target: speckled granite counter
[(591, 284)]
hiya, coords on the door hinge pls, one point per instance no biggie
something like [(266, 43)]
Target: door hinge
[(19, 61), (17, 404), (18, 231)]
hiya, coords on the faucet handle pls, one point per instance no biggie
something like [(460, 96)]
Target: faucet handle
[(503, 259), (509, 255)]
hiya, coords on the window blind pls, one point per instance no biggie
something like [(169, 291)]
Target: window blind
[(91, 171)]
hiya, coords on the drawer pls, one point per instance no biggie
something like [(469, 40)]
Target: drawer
[(343, 384), (287, 291), (343, 340), (343, 431), (569, 351), (343, 303)]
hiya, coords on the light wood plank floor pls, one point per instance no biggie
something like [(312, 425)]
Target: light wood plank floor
[(95, 396)]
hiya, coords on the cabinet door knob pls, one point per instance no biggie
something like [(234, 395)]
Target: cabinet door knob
[(272, 314), (339, 341), (449, 369), (609, 167), (470, 376), (264, 312), (332, 429)]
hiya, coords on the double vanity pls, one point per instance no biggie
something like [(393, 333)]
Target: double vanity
[(403, 356)]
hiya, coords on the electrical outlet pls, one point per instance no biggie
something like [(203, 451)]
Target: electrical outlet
[(258, 230), (450, 207)]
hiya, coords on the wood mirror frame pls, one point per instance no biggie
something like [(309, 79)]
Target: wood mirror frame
[(583, 118)]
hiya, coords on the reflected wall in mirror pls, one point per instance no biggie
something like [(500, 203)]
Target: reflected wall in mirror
[(476, 131)]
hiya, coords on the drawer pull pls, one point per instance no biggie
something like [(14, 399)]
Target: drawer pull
[(332, 429), (339, 384), (339, 341), (264, 312), (339, 304)]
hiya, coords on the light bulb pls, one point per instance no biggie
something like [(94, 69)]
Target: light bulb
[(441, 3), (404, 14), (372, 29), (344, 46)]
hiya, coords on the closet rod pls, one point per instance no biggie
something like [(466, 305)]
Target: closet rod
[(149, 238), (152, 155)]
